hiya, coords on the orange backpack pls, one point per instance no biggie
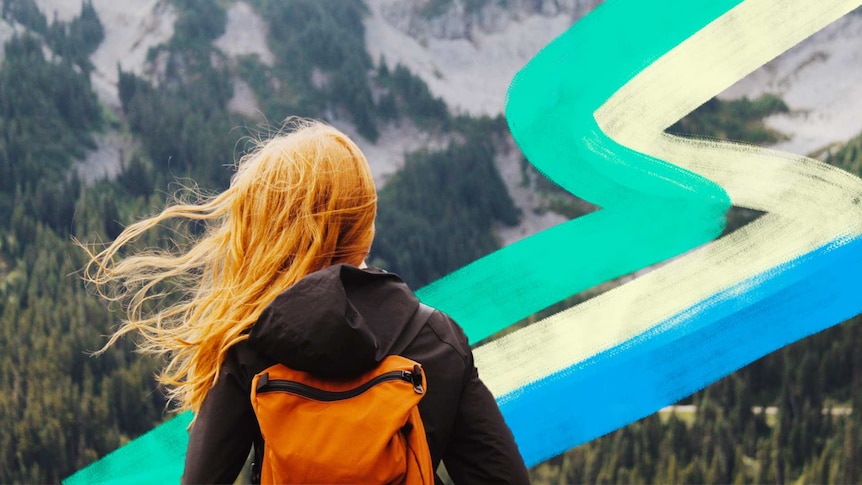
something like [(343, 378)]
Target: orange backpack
[(362, 430)]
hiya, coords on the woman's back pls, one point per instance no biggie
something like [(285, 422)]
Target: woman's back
[(341, 322), (274, 278)]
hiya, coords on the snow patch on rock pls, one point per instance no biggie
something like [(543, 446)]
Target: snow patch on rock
[(245, 34), (7, 31), (113, 149), (244, 101), (62, 10), (524, 195), (131, 28)]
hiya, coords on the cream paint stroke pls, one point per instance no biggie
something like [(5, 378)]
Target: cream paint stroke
[(809, 203)]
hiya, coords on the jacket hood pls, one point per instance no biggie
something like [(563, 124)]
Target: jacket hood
[(338, 322)]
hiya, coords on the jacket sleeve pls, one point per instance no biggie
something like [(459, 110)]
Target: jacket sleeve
[(222, 434), (482, 448)]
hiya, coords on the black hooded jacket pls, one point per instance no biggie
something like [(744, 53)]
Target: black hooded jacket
[(340, 322)]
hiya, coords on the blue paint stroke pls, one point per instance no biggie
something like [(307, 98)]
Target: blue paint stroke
[(687, 352)]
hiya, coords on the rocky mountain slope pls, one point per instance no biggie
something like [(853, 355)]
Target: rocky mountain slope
[(467, 55)]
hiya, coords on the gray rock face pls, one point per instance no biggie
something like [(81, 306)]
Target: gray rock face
[(454, 20)]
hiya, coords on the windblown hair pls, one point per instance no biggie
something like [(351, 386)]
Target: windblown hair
[(300, 202)]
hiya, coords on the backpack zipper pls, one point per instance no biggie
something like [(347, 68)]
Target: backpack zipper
[(304, 390)]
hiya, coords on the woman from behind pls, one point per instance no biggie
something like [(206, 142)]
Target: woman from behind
[(275, 278)]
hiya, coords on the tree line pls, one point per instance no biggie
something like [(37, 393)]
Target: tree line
[(62, 409)]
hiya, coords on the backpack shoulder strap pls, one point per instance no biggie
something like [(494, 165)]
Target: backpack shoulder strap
[(413, 327), (423, 313)]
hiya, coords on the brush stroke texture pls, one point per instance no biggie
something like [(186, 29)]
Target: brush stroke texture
[(812, 206), (698, 346), (812, 196)]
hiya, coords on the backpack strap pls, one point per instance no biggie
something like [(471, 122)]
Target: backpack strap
[(413, 327), (257, 461)]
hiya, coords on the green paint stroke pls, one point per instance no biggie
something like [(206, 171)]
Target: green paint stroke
[(155, 457), (650, 210)]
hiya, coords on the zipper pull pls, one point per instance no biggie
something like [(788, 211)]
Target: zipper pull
[(262, 381), (416, 378)]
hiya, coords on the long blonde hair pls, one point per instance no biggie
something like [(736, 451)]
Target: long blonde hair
[(300, 202)]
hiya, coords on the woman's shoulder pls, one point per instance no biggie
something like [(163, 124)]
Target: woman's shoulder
[(449, 332), (242, 362)]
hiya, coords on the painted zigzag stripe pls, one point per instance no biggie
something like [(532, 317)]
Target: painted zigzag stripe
[(664, 336)]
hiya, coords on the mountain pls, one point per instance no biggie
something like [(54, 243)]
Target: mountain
[(467, 52)]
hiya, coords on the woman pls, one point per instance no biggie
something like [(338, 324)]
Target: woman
[(276, 278)]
